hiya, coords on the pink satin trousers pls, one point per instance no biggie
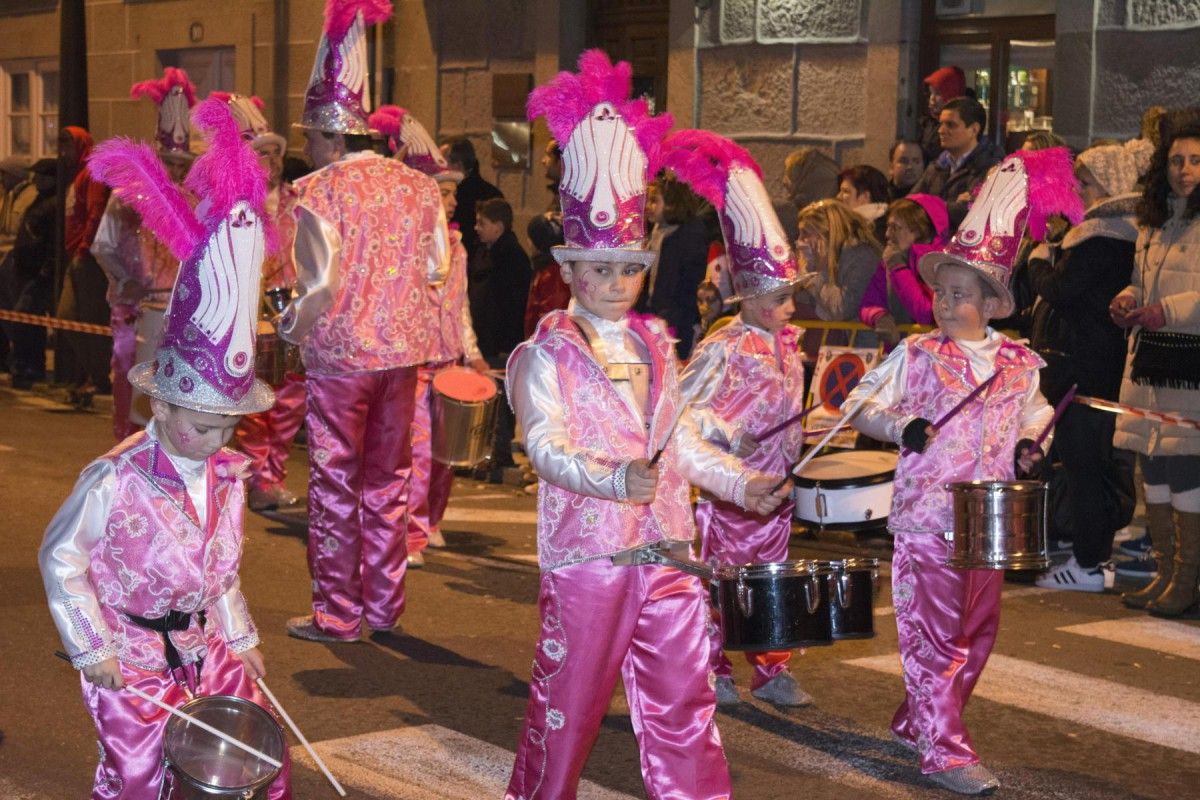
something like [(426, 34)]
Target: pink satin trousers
[(267, 436), (645, 624), (131, 729), (359, 459), (732, 537), (429, 489), (947, 620)]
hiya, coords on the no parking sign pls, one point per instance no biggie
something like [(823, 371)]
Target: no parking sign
[(838, 371)]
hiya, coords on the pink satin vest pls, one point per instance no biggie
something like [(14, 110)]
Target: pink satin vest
[(155, 556), (574, 527), (387, 216), (760, 389), (279, 268), (977, 444), (448, 300)]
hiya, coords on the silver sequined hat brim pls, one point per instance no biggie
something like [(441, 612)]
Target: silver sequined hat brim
[(564, 253), (260, 397)]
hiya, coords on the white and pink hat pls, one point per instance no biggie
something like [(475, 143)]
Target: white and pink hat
[(724, 174), (248, 114), (409, 141), (338, 99), (174, 95), (1026, 189), (205, 361), (610, 147)]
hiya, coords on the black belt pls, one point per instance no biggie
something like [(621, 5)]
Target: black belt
[(172, 621)]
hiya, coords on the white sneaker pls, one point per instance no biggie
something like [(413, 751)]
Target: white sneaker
[(436, 540), (782, 690), (1072, 577)]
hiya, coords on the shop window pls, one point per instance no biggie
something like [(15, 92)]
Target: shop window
[(29, 108)]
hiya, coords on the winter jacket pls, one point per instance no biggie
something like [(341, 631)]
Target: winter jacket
[(949, 184)]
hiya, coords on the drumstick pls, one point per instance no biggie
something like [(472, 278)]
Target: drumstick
[(774, 429), (188, 718), (824, 441), (1144, 413), (288, 719), (683, 407), (1058, 412), (978, 390), (702, 389)]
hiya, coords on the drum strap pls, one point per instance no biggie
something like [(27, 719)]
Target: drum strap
[(637, 372), (172, 621)]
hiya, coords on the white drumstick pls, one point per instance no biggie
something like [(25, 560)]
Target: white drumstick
[(287, 718), (188, 718), (841, 423)]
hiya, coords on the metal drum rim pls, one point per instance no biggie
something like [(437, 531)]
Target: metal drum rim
[(175, 723), (857, 482), (858, 564), (770, 569), (1016, 486)]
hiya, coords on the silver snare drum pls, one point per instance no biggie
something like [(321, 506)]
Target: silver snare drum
[(204, 767), (999, 525)]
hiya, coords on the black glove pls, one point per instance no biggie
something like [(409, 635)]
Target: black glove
[(1034, 472), (915, 437)]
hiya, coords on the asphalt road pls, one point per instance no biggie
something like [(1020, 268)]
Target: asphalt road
[(1082, 699)]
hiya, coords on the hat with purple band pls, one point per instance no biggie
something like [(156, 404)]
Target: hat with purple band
[(1025, 190), (205, 361), (610, 147), (174, 95), (409, 141), (338, 99), (724, 174)]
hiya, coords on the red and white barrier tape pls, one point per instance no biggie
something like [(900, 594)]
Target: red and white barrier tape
[(1144, 413), (53, 322)]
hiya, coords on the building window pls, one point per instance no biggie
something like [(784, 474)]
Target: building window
[(210, 68), (29, 106)]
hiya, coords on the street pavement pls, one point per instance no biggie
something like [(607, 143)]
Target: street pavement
[(1082, 698)]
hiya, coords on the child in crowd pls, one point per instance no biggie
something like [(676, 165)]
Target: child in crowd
[(756, 365), (596, 393), (141, 562), (948, 617)]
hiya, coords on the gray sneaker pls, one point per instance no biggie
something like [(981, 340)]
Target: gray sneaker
[(782, 690), (727, 693), (974, 779), (305, 628)]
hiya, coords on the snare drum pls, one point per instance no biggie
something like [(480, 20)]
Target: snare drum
[(999, 525), (853, 584), (203, 767), (463, 417), (851, 490), (776, 606)]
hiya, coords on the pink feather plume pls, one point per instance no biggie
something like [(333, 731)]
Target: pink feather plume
[(1052, 182), (158, 89), (340, 14), (387, 120), (139, 179), (229, 171), (569, 97), (703, 160)]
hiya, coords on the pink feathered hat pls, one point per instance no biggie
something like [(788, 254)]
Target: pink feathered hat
[(610, 147), (724, 174), (1026, 189), (338, 99), (408, 140), (174, 95), (247, 113), (205, 361)]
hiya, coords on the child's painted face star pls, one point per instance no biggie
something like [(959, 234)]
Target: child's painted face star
[(195, 435), (607, 289), (960, 306), (770, 311)]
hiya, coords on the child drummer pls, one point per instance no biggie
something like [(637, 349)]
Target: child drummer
[(141, 561), (757, 368), (947, 617), (595, 392)]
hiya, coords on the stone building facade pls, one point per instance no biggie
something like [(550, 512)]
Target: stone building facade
[(842, 75)]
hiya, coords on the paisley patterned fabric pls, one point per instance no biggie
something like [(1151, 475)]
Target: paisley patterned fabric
[(388, 217), (453, 337), (279, 268)]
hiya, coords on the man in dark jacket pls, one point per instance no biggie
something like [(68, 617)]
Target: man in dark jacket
[(33, 277), (472, 189), (965, 159)]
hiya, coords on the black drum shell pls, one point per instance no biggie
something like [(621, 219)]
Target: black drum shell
[(856, 620), (779, 618)]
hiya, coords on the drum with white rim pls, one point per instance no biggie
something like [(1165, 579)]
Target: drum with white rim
[(203, 766), (851, 490)]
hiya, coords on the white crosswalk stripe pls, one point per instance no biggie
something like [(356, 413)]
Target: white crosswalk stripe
[(490, 515), (1162, 635), (1126, 711)]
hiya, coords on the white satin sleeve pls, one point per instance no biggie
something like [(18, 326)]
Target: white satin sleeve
[(470, 345), (878, 418), (316, 252), (706, 370), (533, 392), (233, 617), (1036, 413), (106, 244), (705, 465), (437, 268), (64, 558)]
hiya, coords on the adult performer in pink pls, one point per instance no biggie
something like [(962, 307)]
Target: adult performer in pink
[(141, 561), (140, 269), (267, 437), (757, 367), (595, 391), (370, 236), (454, 335)]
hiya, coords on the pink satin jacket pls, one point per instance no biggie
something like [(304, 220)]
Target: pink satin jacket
[(279, 268), (453, 335)]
